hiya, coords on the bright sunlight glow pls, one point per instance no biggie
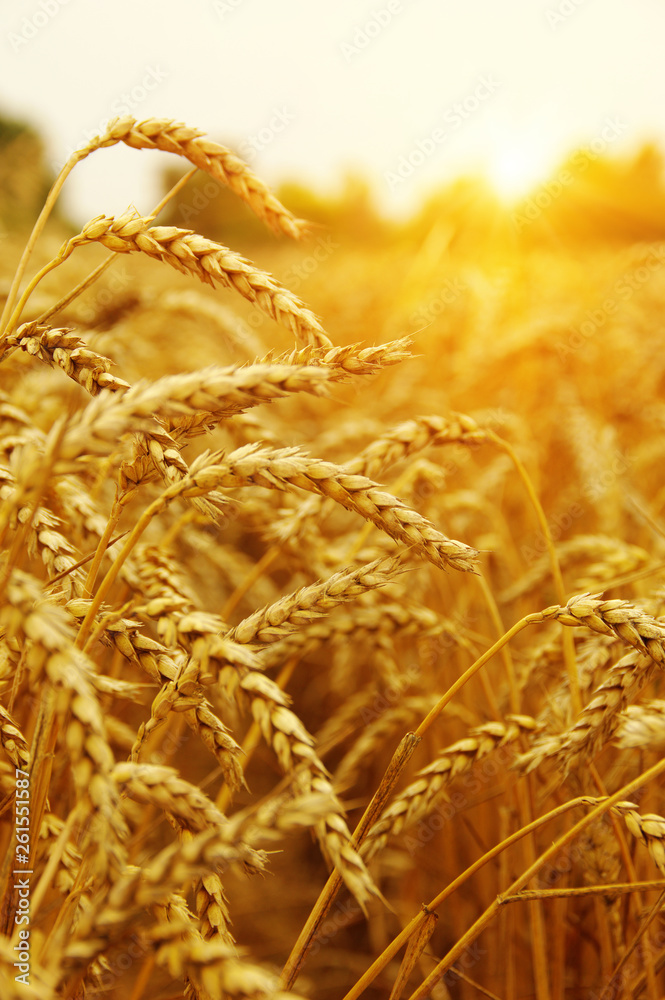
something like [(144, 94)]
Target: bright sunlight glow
[(514, 171)]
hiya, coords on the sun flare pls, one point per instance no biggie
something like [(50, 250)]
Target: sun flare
[(516, 170)]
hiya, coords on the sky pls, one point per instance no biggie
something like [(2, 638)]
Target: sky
[(411, 93)]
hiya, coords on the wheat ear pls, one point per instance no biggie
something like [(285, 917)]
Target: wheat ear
[(291, 469), (212, 263)]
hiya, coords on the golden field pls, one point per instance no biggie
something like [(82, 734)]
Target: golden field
[(332, 590)]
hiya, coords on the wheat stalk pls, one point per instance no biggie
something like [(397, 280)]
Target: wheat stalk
[(289, 469), (307, 604), (212, 263), (420, 797)]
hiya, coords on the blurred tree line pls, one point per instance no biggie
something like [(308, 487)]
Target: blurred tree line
[(209, 206), (24, 175)]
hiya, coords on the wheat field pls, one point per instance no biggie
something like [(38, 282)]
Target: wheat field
[(332, 599)]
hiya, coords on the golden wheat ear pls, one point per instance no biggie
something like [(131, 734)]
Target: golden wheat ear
[(218, 161)]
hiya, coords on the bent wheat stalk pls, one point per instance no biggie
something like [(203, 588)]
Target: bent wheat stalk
[(209, 156)]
